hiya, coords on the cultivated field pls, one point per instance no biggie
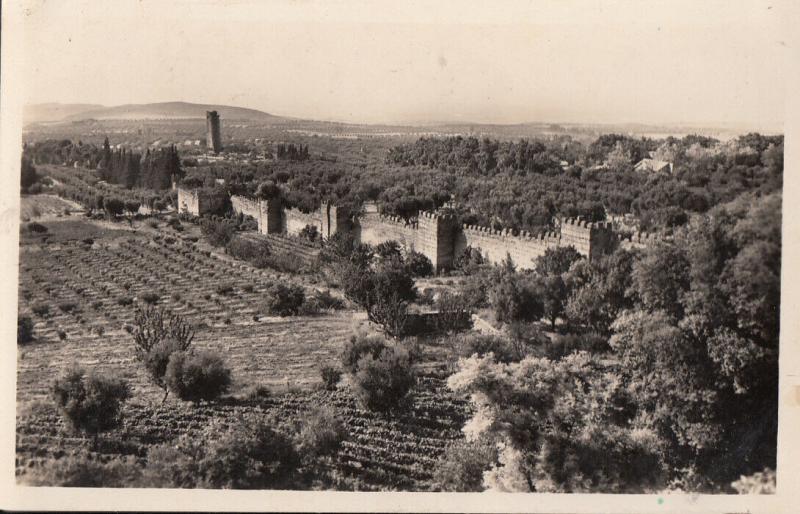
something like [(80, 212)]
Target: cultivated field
[(80, 282)]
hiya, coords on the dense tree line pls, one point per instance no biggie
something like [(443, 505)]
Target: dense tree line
[(524, 185), (153, 170), (665, 373)]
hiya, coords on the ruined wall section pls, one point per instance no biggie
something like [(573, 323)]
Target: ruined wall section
[(246, 206), (495, 245), (373, 229), (294, 221), (199, 202), (188, 201)]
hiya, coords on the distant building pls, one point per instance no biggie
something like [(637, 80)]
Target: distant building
[(213, 136), (653, 166)]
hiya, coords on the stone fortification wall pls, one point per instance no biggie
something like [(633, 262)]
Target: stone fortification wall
[(295, 220), (640, 240), (372, 228), (495, 245), (247, 206), (199, 202)]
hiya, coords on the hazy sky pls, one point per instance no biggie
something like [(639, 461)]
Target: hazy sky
[(651, 62)]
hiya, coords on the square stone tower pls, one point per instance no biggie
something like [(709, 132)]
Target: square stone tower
[(213, 132)]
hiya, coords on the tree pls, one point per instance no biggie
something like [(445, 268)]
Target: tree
[(28, 175), (563, 426), (24, 329), (516, 298), (157, 335), (556, 261), (553, 296), (113, 207)]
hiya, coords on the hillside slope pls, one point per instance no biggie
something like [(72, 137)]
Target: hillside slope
[(171, 110)]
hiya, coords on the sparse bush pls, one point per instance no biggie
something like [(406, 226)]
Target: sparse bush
[(247, 288), (284, 300), (196, 376), (36, 228), (41, 309), (84, 470), (502, 348), (250, 455), (327, 301), (151, 297), (310, 233), (24, 330), (320, 434), (67, 307), (224, 289), (62, 336), (330, 377), (124, 301), (217, 232), (381, 383), (90, 402), (454, 312), (461, 467), (257, 393), (358, 346)]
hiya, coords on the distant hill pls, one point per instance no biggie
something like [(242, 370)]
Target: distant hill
[(154, 111), (38, 113)]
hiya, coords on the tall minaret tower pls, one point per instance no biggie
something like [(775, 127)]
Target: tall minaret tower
[(213, 137)]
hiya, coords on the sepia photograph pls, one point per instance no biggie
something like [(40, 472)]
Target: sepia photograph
[(526, 247)]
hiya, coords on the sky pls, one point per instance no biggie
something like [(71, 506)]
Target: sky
[(414, 62)]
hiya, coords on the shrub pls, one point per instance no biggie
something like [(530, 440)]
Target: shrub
[(470, 260), (762, 482), (330, 377), (24, 329), (90, 402), (564, 345), (257, 393), (62, 336), (454, 312), (250, 455), (503, 349), (284, 300), (41, 309), (67, 307), (418, 265), (247, 288), (196, 376), (84, 470), (36, 228), (461, 467), (327, 301), (381, 383), (320, 434), (151, 298), (217, 232), (310, 233), (125, 300), (224, 289), (358, 346)]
